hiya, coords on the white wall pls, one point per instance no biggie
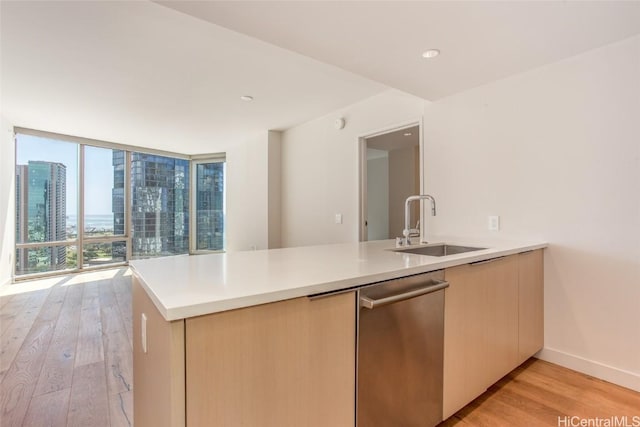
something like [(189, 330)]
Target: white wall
[(247, 190), (556, 153), (7, 201), (253, 193), (378, 196), (320, 168)]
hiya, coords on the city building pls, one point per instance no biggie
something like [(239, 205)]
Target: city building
[(210, 206), (159, 204), (41, 215)]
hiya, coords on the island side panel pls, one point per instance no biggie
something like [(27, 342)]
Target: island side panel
[(289, 363), (158, 374)]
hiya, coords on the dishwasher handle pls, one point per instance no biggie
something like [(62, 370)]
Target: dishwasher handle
[(433, 286)]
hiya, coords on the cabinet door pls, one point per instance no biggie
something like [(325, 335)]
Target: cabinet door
[(481, 329), (290, 363), (501, 278), (465, 338), (531, 303)]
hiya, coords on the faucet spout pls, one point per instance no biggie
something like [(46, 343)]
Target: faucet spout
[(407, 214)]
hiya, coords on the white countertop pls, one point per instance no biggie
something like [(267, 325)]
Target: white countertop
[(187, 286)]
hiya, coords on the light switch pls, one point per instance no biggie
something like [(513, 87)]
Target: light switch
[(494, 222), (338, 218), (143, 332)]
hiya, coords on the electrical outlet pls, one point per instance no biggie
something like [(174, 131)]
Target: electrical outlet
[(143, 332), (494, 222), (338, 218)]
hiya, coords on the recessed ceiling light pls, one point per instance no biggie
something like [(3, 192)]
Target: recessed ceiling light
[(247, 98), (407, 134), (431, 53)]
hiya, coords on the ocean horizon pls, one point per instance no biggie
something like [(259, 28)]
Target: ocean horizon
[(97, 221)]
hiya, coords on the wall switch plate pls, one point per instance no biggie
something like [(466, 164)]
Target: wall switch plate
[(143, 332), (338, 218), (494, 222)]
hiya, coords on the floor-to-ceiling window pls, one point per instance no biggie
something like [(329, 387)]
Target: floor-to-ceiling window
[(103, 209), (160, 205), (46, 201), (84, 204), (209, 206)]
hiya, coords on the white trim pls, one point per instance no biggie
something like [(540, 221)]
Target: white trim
[(605, 372), (423, 186), (363, 234), (416, 121)]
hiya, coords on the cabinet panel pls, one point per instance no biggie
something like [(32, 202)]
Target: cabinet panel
[(465, 338), (531, 303), (481, 329), (285, 363), (158, 374), (501, 278)]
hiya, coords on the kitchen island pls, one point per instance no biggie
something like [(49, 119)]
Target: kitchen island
[(234, 339)]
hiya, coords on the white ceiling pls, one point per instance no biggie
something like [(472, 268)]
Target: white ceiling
[(138, 73), (481, 41)]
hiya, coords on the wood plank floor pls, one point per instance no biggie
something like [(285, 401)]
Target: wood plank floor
[(66, 360), (539, 393), (66, 355)]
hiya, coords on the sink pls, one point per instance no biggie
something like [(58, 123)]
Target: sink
[(439, 250)]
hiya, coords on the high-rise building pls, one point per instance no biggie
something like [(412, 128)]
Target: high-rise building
[(210, 206), (159, 204), (41, 214)]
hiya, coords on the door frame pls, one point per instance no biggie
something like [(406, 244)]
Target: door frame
[(362, 170)]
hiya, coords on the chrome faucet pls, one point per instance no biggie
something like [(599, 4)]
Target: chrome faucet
[(406, 241)]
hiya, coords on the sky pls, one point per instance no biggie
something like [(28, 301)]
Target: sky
[(98, 170)]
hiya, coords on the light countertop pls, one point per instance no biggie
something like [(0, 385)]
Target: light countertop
[(187, 286)]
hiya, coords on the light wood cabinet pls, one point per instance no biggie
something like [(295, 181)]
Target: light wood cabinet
[(493, 322), (290, 363), (158, 374), (501, 280), (465, 338), (287, 363), (530, 303)]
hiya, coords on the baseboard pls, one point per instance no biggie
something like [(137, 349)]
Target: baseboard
[(608, 373)]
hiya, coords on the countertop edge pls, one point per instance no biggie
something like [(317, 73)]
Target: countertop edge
[(183, 312)]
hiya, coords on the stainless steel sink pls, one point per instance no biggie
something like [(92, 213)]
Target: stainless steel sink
[(439, 250)]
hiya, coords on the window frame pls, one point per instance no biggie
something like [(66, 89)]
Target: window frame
[(80, 240), (193, 208)]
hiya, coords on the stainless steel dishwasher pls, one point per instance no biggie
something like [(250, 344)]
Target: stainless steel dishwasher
[(400, 352)]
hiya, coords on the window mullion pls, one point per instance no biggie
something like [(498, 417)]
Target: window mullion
[(80, 231), (128, 231)]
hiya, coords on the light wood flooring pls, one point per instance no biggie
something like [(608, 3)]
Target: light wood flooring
[(65, 351), (66, 360), (539, 393)]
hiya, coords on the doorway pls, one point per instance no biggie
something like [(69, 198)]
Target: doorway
[(390, 166)]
